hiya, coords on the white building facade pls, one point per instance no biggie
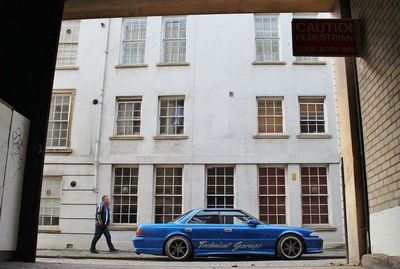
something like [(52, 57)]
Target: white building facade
[(167, 114)]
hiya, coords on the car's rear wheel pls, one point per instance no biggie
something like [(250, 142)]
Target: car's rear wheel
[(178, 248), (290, 247)]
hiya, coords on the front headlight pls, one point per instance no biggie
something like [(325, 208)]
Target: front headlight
[(314, 234)]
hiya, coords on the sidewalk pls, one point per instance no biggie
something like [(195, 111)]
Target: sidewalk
[(126, 255)]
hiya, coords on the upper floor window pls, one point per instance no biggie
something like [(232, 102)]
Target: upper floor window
[(312, 118), (174, 40), (133, 41), (59, 121), (307, 59), (49, 214), (267, 38), (68, 43), (128, 115), (270, 115), (172, 115)]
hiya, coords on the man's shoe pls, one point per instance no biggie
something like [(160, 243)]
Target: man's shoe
[(94, 251), (114, 250)]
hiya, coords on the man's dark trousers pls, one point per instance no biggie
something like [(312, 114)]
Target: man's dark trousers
[(101, 229)]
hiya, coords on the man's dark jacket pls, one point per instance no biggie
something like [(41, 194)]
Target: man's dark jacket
[(101, 212)]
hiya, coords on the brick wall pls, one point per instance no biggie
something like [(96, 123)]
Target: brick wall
[(379, 82)]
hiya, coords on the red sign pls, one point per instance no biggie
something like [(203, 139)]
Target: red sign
[(325, 37)]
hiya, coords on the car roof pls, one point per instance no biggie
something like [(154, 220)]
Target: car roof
[(218, 209)]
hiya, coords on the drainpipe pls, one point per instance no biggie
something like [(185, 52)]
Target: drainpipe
[(100, 110)]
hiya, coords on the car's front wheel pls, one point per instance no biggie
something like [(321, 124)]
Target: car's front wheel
[(178, 248), (290, 247)]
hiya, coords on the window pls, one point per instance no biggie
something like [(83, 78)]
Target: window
[(174, 40), (125, 195), (128, 116), (220, 187), (307, 59), (270, 115), (233, 217), (68, 43), (314, 195), (133, 41), (267, 38), (172, 115), (206, 217), (168, 193), (312, 118), (272, 194), (49, 214), (59, 121)]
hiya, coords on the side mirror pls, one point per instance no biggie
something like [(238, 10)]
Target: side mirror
[(252, 222)]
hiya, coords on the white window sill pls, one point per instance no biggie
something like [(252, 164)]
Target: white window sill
[(122, 227), (268, 63), (72, 67), (309, 63), (172, 64), (314, 136), (130, 65), (320, 227), (49, 229), (271, 136), (170, 137), (59, 150), (126, 137)]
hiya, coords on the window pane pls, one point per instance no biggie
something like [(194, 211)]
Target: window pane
[(125, 194), (171, 116), (134, 41), (68, 43), (168, 195), (58, 128), (314, 195), (270, 117), (128, 117), (220, 189), (49, 212), (174, 42), (267, 38), (312, 118)]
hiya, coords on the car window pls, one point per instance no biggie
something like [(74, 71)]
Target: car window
[(234, 217), (205, 217), (180, 217)]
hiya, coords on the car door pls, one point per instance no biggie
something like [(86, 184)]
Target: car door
[(206, 233), (244, 238)]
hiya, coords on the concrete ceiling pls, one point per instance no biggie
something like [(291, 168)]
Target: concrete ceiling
[(88, 9)]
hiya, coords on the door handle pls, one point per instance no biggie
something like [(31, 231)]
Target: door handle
[(228, 230), (188, 229)]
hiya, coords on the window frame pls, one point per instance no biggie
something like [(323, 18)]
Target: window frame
[(273, 98), (71, 93), (328, 197), (60, 178), (134, 99), (163, 39), (215, 185), (113, 196), (171, 97), (315, 100), (171, 195), (278, 39), (123, 41)]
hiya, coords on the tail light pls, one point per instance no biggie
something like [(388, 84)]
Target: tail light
[(139, 232)]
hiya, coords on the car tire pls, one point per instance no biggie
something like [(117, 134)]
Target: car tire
[(290, 247), (178, 248)]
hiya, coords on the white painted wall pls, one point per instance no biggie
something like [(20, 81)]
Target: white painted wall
[(220, 128), (385, 237)]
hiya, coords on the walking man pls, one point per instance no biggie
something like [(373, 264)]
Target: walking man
[(102, 222)]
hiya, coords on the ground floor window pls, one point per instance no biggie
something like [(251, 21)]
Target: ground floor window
[(272, 194), (49, 214), (314, 192), (125, 195), (168, 193), (220, 187)]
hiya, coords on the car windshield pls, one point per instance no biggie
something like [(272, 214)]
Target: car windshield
[(180, 217)]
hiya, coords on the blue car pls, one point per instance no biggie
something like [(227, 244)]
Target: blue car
[(207, 232)]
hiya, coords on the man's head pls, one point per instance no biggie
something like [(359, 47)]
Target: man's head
[(105, 200)]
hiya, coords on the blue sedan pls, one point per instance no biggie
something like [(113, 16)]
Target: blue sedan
[(207, 232)]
